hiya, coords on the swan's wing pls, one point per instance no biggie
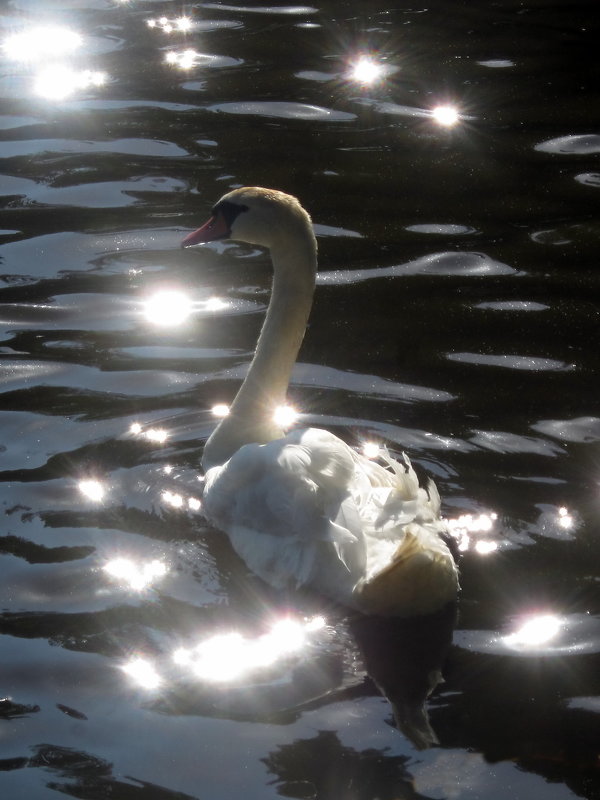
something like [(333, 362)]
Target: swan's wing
[(288, 512), (410, 570)]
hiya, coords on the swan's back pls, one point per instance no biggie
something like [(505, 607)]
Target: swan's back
[(307, 511)]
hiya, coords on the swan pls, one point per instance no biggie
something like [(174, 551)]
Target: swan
[(304, 510)]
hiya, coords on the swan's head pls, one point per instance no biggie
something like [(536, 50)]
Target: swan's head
[(254, 215)]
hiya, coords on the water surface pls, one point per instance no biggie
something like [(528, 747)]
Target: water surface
[(455, 317)]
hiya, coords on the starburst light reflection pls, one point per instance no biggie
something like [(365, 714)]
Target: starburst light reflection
[(463, 527), (229, 656), (92, 489), (168, 308), (136, 576), (285, 416), (536, 630), (41, 43), (366, 70), (184, 60), (445, 115), (215, 304), (58, 82), (143, 673), (370, 450), (194, 504), (172, 499), (220, 410), (181, 24), (159, 435), (565, 520)]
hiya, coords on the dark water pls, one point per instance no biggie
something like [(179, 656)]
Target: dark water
[(456, 317)]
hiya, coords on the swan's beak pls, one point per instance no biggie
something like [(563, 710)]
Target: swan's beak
[(215, 228)]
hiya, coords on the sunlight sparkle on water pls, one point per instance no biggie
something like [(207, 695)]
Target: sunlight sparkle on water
[(143, 673), (184, 60), (229, 656), (447, 116), (92, 489), (167, 25), (370, 450), (366, 70), (40, 43), (58, 82), (172, 499), (159, 435), (535, 631), (463, 527), (136, 576), (565, 520), (214, 304), (168, 308), (285, 416)]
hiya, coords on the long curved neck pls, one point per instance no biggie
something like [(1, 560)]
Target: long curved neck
[(250, 417)]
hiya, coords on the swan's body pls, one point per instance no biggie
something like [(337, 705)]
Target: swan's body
[(305, 510)]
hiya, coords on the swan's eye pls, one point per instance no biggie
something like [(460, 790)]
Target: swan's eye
[(229, 211)]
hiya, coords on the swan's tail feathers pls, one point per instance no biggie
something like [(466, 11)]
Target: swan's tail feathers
[(421, 577)]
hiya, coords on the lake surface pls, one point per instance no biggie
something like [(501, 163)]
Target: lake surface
[(456, 318)]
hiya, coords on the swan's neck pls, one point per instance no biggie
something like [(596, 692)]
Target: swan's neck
[(250, 417)]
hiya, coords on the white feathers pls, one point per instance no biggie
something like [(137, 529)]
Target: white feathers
[(307, 511)]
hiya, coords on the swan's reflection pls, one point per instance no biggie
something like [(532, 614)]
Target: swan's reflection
[(404, 658)]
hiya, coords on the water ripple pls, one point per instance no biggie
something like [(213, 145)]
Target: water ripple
[(283, 110), (448, 263), (512, 305), (441, 229), (291, 10), (530, 363), (505, 442), (130, 147), (105, 194), (582, 145), (588, 178), (579, 429)]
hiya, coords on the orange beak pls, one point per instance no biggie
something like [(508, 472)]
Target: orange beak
[(215, 228)]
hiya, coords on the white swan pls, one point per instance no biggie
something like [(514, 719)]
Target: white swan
[(305, 510)]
